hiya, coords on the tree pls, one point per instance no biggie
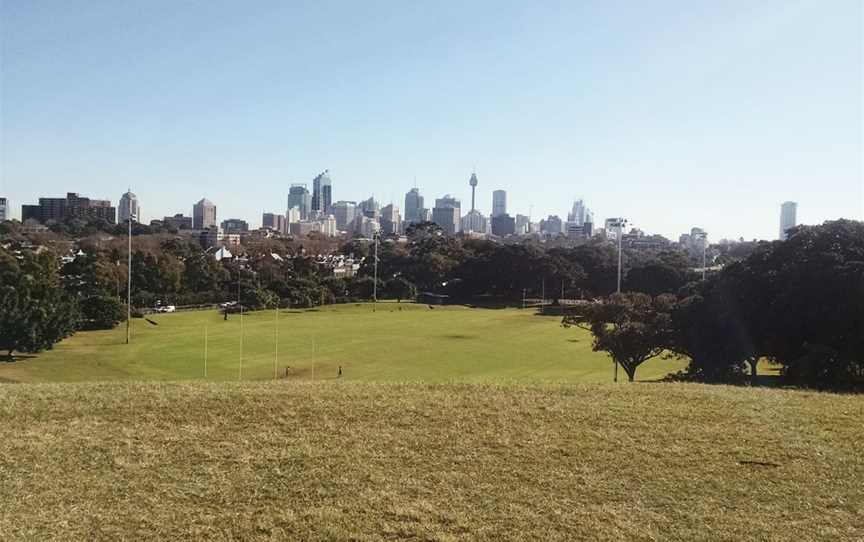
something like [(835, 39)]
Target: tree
[(630, 327), (102, 312), (35, 312), (400, 288), (654, 278)]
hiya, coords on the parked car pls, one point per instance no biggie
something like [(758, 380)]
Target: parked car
[(166, 308)]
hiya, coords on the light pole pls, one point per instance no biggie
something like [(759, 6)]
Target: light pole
[(375, 283), (129, 277), (704, 237), (621, 223)]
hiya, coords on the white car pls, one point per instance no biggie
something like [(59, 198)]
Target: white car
[(166, 308)]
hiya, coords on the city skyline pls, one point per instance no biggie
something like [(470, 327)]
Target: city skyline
[(762, 106)]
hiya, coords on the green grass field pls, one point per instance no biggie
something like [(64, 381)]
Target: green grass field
[(397, 342), (364, 461)]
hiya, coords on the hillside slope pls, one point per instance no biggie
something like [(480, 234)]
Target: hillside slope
[(349, 460)]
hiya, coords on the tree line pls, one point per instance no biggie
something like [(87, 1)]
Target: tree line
[(797, 303)]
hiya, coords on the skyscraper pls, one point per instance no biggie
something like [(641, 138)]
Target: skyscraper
[(391, 221), (274, 221), (4, 214), (788, 218), (369, 208), (203, 214), (578, 214), (299, 196), (413, 205), (322, 193), (128, 204), (499, 203), (344, 212), (446, 213)]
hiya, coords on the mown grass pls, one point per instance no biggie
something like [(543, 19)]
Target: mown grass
[(396, 342), (341, 460)]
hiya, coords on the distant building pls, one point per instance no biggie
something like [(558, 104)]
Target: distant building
[(474, 222), (788, 218), (178, 222), (128, 205), (447, 214), (72, 206), (299, 196), (369, 208), (235, 225), (322, 193), (553, 225), (274, 221), (503, 225), (425, 215), (344, 212), (4, 213), (578, 213), (523, 224), (610, 227), (203, 214), (413, 206), (499, 203), (391, 220)]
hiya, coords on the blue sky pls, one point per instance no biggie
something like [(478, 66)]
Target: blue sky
[(672, 114)]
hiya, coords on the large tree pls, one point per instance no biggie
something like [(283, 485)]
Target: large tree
[(631, 327)]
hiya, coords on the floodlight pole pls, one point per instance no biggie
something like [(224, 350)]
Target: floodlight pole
[(621, 223), (375, 283), (129, 277)]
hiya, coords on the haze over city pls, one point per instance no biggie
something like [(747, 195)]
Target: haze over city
[(674, 115)]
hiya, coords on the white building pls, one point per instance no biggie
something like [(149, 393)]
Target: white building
[(474, 222), (129, 206), (788, 218)]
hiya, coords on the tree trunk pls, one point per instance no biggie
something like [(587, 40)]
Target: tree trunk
[(630, 370)]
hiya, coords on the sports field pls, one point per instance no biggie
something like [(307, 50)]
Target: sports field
[(395, 342)]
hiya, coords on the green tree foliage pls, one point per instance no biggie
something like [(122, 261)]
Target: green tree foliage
[(399, 288), (631, 327), (35, 311), (101, 312), (655, 278)]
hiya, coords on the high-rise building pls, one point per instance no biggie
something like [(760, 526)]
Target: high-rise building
[(4, 205), (474, 222), (413, 205), (292, 216), (299, 196), (235, 225), (322, 193), (522, 224), (274, 221), (391, 220), (446, 214), (72, 206), (203, 214), (578, 213), (369, 208), (344, 212), (788, 218), (499, 202), (553, 225), (128, 206), (503, 225)]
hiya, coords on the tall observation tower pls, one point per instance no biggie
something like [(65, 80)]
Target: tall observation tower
[(473, 183)]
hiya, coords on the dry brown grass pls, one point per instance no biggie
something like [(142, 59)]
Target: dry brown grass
[(361, 461)]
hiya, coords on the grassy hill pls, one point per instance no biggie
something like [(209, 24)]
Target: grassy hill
[(341, 460), (396, 342)]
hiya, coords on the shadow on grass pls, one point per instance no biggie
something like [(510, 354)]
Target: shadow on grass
[(458, 336)]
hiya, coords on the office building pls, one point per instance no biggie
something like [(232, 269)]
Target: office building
[(274, 221), (552, 225), (128, 207), (299, 196), (203, 214), (499, 203), (322, 193), (344, 212), (72, 206), (577, 213), (522, 224), (235, 225), (369, 208), (178, 222), (413, 206), (446, 214), (788, 218), (503, 225), (391, 220), (4, 206), (474, 222)]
